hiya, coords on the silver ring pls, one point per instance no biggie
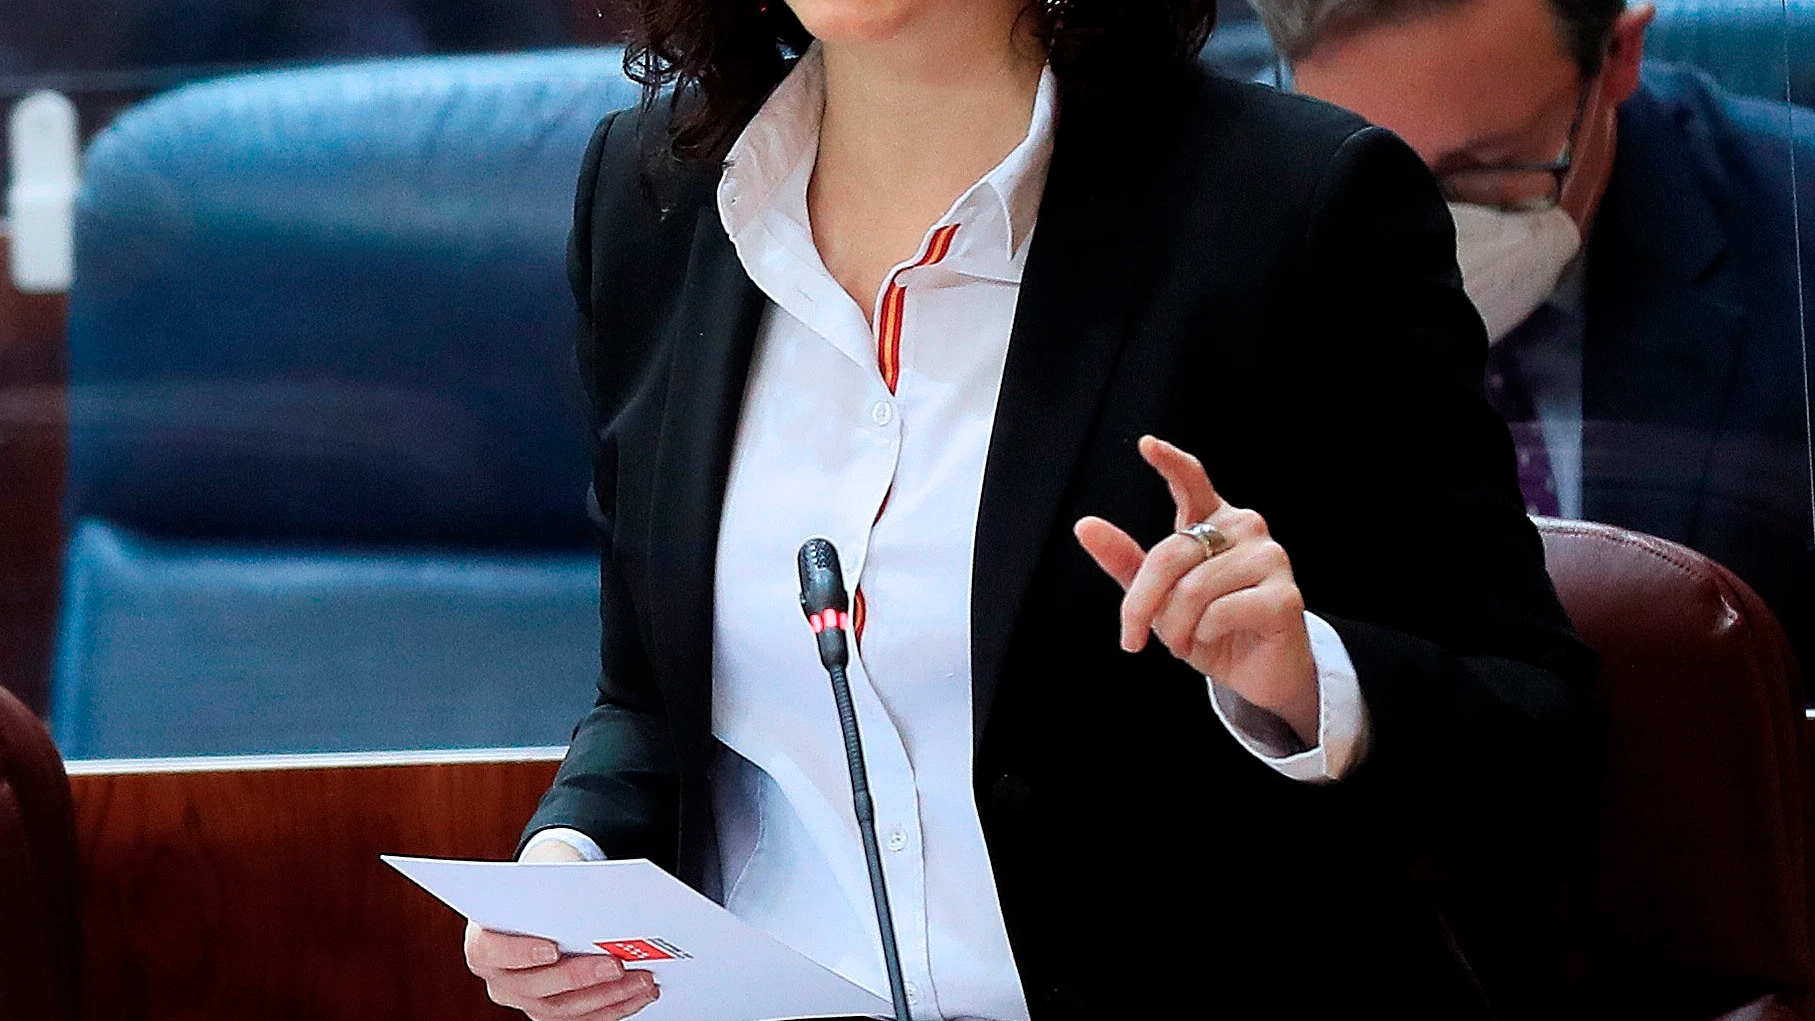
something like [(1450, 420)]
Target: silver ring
[(1210, 537)]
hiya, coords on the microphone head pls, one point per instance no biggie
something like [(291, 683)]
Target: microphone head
[(821, 578), (823, 600)]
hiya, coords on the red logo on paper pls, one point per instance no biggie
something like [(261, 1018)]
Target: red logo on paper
[(634, 951)]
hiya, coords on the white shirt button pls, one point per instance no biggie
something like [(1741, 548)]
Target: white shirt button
[(882, 413), (897, 839), (912, 990)]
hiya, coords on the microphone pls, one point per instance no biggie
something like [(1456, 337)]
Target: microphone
[(827, 606), (823, 600)]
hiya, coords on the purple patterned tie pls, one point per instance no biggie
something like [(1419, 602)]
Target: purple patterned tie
[(1508, 395)]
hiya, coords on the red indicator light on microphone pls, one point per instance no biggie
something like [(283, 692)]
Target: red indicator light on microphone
[(829, 620)]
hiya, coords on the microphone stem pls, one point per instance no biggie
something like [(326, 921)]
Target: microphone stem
[(866, 827)]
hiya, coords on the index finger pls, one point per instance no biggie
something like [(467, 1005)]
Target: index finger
[(488, 949), (1192, 492)]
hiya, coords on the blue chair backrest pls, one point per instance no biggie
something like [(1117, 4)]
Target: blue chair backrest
[(332, 304), (1750, 46)]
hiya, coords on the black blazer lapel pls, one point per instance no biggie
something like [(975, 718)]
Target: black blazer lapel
[(1077, 303), (713, 340), (1664, 316)]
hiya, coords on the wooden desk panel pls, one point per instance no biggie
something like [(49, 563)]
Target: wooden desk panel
[(258, 893)]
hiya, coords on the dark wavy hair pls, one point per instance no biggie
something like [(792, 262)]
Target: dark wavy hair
[(717, 60)]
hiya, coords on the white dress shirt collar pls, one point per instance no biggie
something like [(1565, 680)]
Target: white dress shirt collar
[(767, 172)]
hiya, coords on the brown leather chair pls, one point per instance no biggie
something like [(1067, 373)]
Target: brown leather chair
[(1688, 894), (39, 945)]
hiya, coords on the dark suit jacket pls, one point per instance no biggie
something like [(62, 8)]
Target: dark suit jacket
[(1692, 376), (1270, 283)]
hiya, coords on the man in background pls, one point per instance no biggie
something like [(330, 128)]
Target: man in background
[(1628, 231)]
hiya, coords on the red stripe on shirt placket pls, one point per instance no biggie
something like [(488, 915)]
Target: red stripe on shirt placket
[(889, 320)]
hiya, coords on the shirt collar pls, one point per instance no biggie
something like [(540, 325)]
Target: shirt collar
[(1019, 181), (771, 163), (769, 167)]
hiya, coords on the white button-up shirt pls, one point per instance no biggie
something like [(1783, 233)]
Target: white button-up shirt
[(874, 433)]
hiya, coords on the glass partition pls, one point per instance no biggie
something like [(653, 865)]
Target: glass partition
[(1630, 192), (295, 460), (299, 462), (1728, 153), (1799, 121)]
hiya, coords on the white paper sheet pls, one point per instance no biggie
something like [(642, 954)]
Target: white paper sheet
[(711, 965)]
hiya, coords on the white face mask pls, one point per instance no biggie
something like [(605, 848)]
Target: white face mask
[(1512, 261)]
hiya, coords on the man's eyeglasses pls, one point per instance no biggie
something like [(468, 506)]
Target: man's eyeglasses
[(1518, 187)]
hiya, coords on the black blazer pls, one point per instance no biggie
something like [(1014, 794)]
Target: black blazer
[(1271, 284), (1692, 374)]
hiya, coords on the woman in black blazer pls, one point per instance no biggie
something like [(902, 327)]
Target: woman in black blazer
[(1266, 281)]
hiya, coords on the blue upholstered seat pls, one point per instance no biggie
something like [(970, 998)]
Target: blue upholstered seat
[(1750, 46), (328, 458), (185, 647)]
